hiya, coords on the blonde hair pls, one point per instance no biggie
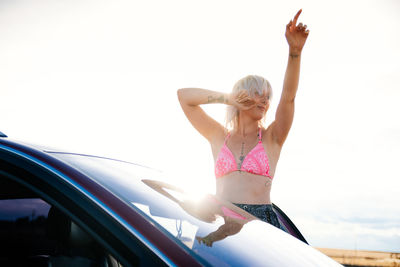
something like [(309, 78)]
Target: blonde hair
[(253, 84)]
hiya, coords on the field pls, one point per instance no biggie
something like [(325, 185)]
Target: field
[(362, 257)]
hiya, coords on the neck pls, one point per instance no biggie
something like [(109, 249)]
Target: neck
[(246, 126)]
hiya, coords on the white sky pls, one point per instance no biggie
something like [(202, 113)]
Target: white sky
[(101, 77)]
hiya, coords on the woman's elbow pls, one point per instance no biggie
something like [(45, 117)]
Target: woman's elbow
[(183, 95), (180, 93)]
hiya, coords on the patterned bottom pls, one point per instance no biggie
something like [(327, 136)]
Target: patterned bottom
[(263, 211)]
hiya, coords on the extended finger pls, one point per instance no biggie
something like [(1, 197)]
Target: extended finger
[(241, 98), (295, 19), (242, 101), (248, 98), (245, 101), (242, 93), (297, 16), (249, 104)]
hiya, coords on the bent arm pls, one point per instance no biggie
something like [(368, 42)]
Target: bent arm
[(198, 96), (191, 99)]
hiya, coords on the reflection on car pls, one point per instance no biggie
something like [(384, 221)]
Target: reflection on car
[(66, 209)]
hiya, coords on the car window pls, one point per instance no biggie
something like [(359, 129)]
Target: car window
[(35, 233), (23, 230)]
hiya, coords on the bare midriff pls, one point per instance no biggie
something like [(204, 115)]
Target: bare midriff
[(245, 188)]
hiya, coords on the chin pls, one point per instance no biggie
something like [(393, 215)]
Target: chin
[(258, 117), (257, 114)]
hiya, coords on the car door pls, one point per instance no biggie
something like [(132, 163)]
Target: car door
[(36, 200)]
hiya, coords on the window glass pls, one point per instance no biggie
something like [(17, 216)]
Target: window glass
[(33, 233), (23, 228), (220, 242)]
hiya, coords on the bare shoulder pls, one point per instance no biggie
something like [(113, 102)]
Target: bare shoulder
[(266, 134), (218, 137), (217, 141), (268, 137)]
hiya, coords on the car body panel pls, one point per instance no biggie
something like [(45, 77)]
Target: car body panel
[(83, 172)]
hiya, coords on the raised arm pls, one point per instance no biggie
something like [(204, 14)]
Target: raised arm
[(296, 37), (191, 99)]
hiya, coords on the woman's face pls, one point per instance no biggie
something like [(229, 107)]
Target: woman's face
[(261, 107)]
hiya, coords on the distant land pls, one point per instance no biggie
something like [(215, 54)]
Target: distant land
[(358, 258)]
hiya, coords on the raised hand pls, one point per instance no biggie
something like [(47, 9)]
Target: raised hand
[(242, 100), (296, 35)]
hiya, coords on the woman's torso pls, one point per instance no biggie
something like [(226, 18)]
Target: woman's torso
[(242, 186)]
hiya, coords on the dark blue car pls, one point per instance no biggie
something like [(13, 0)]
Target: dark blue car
[(66, 209)]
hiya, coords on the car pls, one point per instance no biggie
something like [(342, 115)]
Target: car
[(60, 208)]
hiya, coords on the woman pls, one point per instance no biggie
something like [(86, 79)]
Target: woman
[(246, 157)]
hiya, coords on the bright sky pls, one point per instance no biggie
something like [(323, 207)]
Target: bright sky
[(100, 77)]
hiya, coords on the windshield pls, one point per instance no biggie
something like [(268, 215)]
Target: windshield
[(213, 229)]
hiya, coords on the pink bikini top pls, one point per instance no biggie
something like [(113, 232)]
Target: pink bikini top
[(256, 161)]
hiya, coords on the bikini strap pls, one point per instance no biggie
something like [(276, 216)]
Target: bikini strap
[(226, 138)]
